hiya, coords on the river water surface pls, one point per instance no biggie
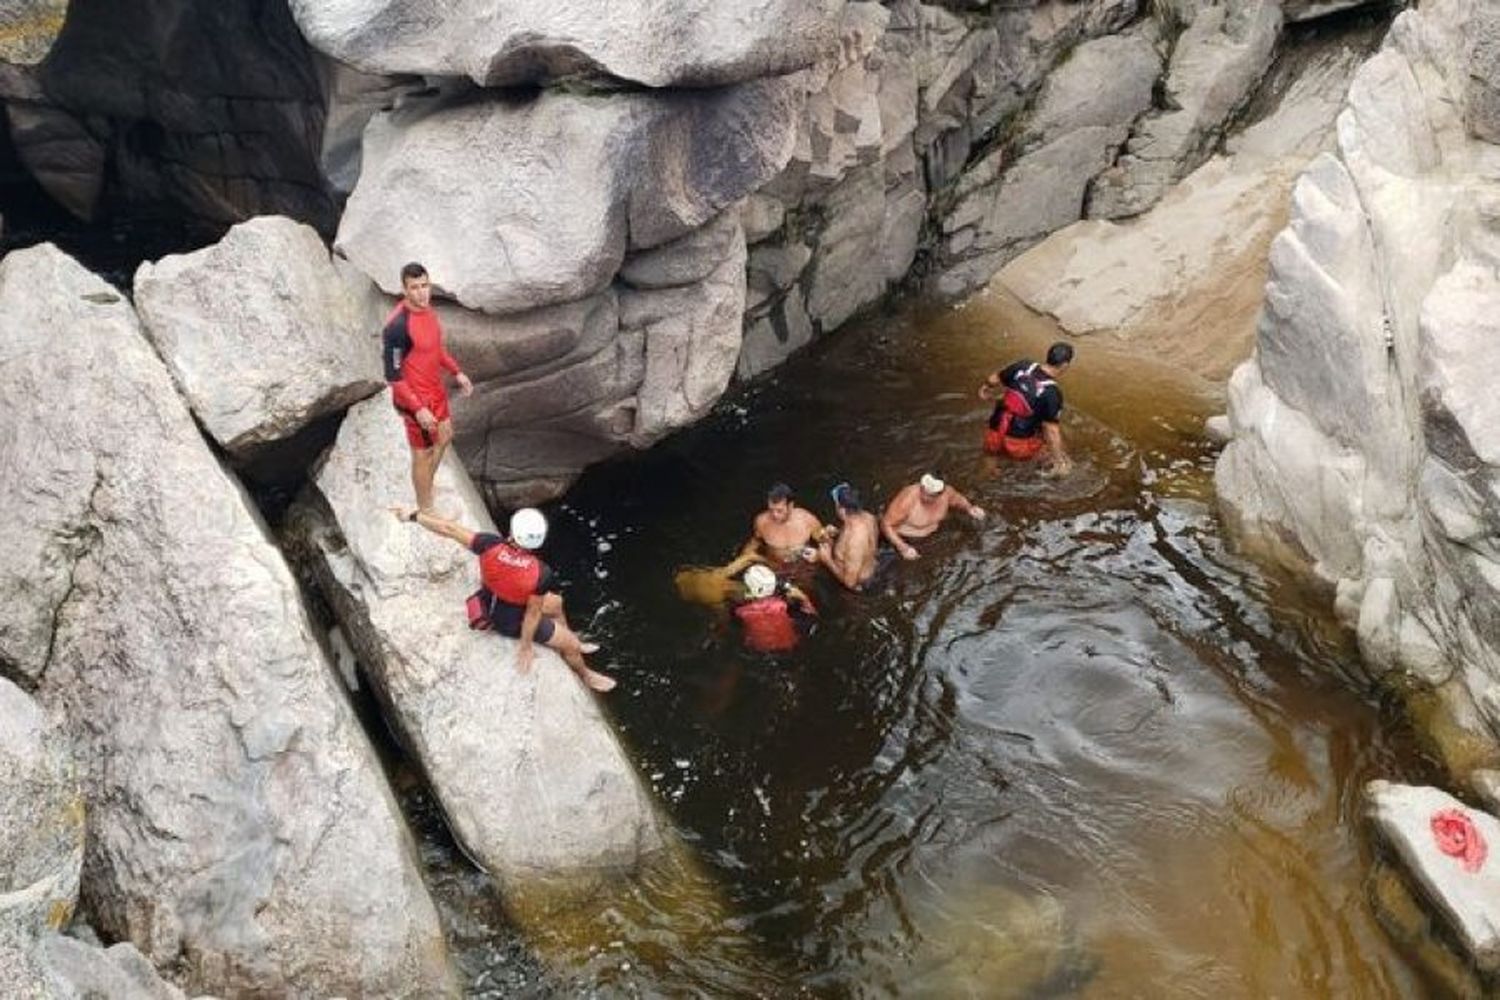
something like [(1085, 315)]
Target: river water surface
[(1080, 750)]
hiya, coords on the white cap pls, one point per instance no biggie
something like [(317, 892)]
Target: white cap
[(760, 581), (528, 528), (932, 484)]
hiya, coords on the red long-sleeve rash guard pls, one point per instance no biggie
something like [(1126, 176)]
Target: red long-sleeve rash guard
[(412, 346)]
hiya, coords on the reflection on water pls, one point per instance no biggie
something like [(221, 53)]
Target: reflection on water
[(1077, 750)]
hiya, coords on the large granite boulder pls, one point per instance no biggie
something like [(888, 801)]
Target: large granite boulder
[(41, 826), (1216, 64), (1465, 889), (260, 332), (502, 43), (524, 766), (1364, 429), (555, 187), (240, 831)]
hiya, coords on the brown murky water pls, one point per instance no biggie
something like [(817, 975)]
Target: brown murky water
[(1080, 751)]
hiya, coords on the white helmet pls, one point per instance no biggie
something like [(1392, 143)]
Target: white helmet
[(528, 528), (760, 581)]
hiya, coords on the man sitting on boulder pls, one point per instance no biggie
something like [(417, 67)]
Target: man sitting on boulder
[(918, 509), (517, 599)]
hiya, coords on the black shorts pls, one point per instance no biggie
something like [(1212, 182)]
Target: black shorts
[(506, 619)]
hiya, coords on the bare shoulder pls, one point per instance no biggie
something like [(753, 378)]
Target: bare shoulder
[(807, 517)]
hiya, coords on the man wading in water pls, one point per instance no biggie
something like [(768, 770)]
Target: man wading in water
[(783, 531), (919, 509), (851, 557), (1027, 409), (412, 348), (517, 599)]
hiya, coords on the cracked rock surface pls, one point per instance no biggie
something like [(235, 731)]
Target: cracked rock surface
[(238, 825)]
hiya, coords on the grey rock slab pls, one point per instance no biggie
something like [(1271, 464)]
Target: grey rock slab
[(57, 148), (260, 334), (1072, 96), (1460, 328), (500, 43), (1468, 901), (41, 825), (692, 341), (1215, 65), (525, 767), (239, 828), (772, 339), (687, 260), (84, 971), (554, 188)]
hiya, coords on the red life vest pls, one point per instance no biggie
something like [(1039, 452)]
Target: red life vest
[(510, 573), (768, 625), (1013, 414)]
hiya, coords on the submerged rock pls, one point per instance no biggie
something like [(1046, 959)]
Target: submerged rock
[(259, 331), (525, 767), (240, 831), (1465, 893)]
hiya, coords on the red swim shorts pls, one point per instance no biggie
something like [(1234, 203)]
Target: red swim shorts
[(418, 438), (1020, 449)]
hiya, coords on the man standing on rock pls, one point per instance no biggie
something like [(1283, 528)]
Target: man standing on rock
[(412, 347), (517, 599), (919, 509), (851, 557), (783, 532), (1026, 413)]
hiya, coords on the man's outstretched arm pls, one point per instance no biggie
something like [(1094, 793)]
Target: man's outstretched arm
[(436, 525)]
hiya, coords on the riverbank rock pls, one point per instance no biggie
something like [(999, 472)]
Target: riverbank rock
[(657, 43), (1365, 431), (642, 170), (259, 332), (1186, 279), (1466, 892), (41, 826), (1215, 65), (525, 766), (240, 832), (1023, 191)]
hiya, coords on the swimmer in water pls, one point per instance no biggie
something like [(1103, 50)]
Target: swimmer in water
[(785, 533), (919, 509), (851, 557)]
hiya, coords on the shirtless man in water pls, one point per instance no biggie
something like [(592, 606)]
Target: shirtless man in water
[(918, 509), (851, 558), (783, 531)]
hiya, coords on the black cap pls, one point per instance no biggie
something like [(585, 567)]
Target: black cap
[(1060, 353)]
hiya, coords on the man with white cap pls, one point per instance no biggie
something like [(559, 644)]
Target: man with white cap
[(517, 598), (766, 612), (919, 509)]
